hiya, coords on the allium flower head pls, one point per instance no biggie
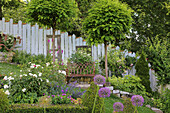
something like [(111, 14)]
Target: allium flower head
[(118, 106), (99, 79), (104, 92), (137, 100)]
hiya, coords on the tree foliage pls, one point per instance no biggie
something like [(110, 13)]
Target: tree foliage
[(52, 13), (107, 21), (142, 71), (151, 18)]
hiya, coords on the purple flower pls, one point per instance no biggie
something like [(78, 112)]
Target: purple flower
[(53, 95), (118, 106), (99, 79), (104, 92), (48, 96), (61, 97), (43, 94), (137, 100), (58, 95), (61, 51), (63, 94), (62, 91), (57, 85), (57, 51), (48, 41), (49, 51)]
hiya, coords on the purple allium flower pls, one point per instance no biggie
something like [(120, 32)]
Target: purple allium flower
[(99, 79), (53, 95), (43, 94), (57, 85), (62, 91), (104, 92), (137, 100), (118, 106), (63, 94)]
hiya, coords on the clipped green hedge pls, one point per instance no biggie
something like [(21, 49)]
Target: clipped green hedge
[(28, 108)]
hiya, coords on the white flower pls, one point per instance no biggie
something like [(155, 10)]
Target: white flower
[(7, 92), (37, 65), (35, 75), (10, 78), (30, 74), (14, 75), (24, 89), (42, 67), (47, 64), (29, 62), (39, 74), (59, 71), (25, 74), (20, 76), (20, 70), (11, 73), (5, 78), (32, 66), (47, 80), (63, 72), (6, 86)]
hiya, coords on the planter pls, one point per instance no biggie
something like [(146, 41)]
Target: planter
[(6, 57)]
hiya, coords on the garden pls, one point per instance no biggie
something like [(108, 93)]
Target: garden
[(49, 84)]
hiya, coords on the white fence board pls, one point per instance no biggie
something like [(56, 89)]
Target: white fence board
[(33, 39), (24, 37), (28, 37), (36, 38), (40, 41)]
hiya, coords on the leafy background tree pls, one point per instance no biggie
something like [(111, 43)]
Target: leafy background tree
[(142, 71), (8, 4), (107, 20), (151, 18), (53, 13)]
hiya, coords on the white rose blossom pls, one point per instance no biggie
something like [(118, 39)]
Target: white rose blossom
[(47, 64), (35, 75), (20, 70), (10, 78), (41, 79), (40, 74), (30, 74), (31, 66), (25, 74), (24, 89), (7, 92), (5, 78), (20, 76), (6, 86)]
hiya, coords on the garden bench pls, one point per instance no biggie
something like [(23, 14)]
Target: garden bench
[(80, 71)]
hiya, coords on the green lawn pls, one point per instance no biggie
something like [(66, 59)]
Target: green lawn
[(6, 68), (112, 99)]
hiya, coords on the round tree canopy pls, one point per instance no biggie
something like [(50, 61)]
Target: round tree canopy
[(48, 12), (107, 20)]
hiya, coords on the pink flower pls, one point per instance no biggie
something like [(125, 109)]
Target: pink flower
[(34, 65), (49, 51), (131, 64), (120, 66), (57, 51), (61, 97), (52, 39), (48, 41), (61, 51)]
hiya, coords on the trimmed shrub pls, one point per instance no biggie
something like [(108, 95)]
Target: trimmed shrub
[(142, 71), (89, 97), (30, 108), (4, 102), (128, 106)]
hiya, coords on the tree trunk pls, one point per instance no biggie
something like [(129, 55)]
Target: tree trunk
[(53, 41), (105, 45), (59, 48)]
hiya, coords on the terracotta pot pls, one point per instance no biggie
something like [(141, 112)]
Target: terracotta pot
[(6, 56)]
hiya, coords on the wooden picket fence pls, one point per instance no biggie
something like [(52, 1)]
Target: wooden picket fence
[(35, 41)]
